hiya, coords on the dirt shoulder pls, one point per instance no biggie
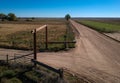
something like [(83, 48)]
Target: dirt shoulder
[(114, 35)]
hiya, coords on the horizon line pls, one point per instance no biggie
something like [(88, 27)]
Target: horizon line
[(64, 17)]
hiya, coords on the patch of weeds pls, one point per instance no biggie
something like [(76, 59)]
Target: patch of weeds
[(33, 76), (12, 80), (8, 74)]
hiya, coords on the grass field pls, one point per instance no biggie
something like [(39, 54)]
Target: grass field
[(115, 21), (18, 34), (101, 26)]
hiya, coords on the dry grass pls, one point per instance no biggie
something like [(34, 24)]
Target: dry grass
[(20, 34)]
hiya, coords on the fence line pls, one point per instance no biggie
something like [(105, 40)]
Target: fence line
[(3, 57), (59, 71), (17, 57), (16, 44), (26, 58)]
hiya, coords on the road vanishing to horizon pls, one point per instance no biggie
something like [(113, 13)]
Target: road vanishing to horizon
[(80, 36), (95, 57)]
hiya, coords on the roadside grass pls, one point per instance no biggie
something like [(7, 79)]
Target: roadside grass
[(13, 75), (101, 27), (19, 36)]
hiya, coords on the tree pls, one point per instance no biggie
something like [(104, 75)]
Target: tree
[(33, 18), (2, 16), (11, 17), (67, 17)]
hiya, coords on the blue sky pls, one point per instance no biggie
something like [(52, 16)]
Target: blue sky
[(58, 8)]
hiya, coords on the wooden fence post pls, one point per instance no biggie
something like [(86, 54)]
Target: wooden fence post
[(61, 73), (65, 45), (34, 43), (7, 58), (12, 43), (14, 58), (46, 33)]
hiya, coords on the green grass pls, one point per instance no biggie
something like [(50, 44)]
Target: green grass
[(102, 27), (109, 21)]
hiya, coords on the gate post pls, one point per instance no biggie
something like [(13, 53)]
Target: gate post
[(34, 44), (34, 41), (46, 34), (65, 42), (7, 58)]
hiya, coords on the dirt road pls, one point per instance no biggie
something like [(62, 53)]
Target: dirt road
[(95, 57)]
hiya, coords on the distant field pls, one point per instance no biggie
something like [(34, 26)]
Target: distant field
[(17, 34), (101, 25), (37, 21), (109, 21)]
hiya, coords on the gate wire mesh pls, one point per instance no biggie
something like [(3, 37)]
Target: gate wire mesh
[(20, 59), (2, 57)]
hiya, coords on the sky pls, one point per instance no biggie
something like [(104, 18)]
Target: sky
[(59, 8)]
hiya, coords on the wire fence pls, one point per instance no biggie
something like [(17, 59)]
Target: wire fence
[(23, 59), (66, 41)]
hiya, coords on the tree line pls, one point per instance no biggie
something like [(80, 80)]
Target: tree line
[(10, 17)]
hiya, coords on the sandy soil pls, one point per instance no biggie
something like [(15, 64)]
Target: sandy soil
[(114, 35), (96, 56)]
